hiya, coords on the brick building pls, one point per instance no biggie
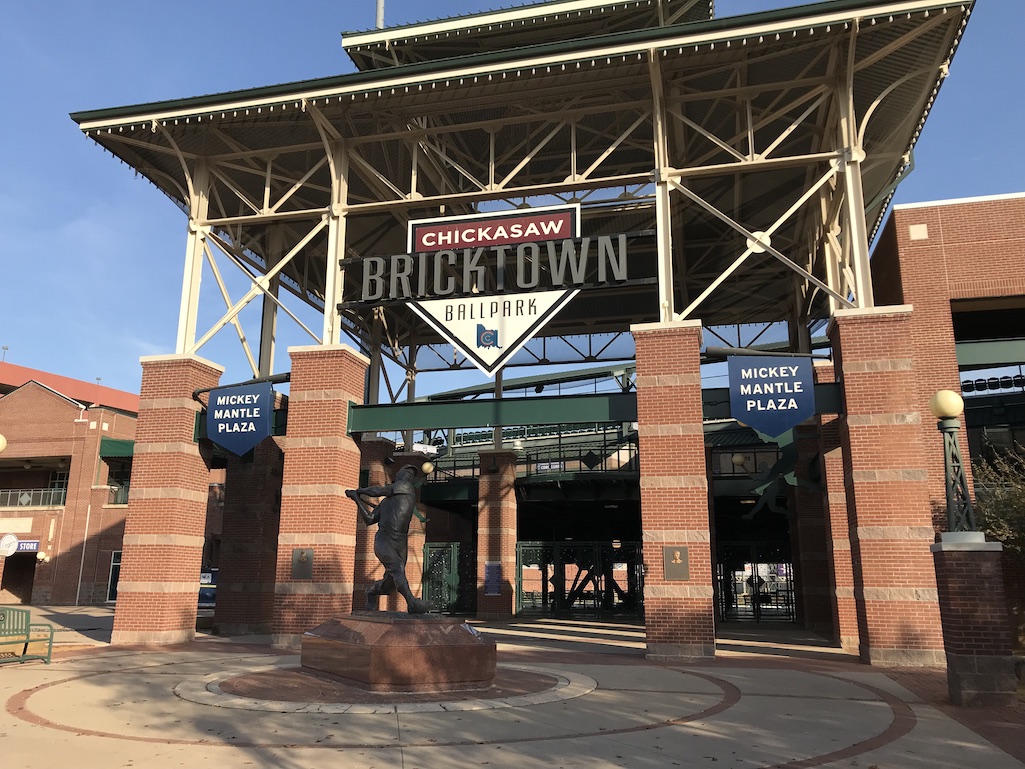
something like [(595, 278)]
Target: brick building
[(65, 470), (727, 174)]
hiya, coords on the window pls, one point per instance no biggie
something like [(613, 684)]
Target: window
[(115, 574)]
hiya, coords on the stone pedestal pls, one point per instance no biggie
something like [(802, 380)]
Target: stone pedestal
[(976, 629), (394, 652)]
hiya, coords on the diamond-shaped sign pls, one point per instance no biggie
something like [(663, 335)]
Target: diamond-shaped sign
[(489, 330), (771, 394)]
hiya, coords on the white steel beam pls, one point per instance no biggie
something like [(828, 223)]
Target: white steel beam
[(188, 308), (334, 279)]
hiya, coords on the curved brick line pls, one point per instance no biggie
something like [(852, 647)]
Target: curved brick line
[(17, 706), (904, 721)]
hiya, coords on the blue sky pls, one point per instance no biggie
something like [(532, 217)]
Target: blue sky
[(93, 255)]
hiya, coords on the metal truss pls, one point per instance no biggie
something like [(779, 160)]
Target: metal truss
[(748, 153)]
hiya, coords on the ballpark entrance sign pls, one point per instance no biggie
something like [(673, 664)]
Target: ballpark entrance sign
[(771, 394), (486, 324), (490, 330)]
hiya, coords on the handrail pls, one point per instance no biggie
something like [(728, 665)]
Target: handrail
[(32, 497)]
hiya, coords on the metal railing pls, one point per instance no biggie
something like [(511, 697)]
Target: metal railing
[(32, 497), (118, 494), (591, 457)]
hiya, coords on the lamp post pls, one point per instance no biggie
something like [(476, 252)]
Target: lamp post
[(946, 406)]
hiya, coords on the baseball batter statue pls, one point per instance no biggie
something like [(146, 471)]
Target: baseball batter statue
[(392, 517)]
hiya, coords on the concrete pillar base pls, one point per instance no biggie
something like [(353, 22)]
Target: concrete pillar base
[(680, 653), (980, 681)]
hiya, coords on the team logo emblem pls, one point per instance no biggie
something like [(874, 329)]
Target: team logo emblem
[(487, 337)]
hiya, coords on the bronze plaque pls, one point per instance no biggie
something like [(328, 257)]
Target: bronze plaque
[(676, 562), (302, 563)]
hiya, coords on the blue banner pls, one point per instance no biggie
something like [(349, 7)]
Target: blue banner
[(771, 394), (239, 417)]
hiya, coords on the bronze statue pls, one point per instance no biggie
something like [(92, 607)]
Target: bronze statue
[(392, 517)]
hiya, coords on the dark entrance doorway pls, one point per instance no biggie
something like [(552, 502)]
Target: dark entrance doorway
[(18, 575), (579, 579), (755, 582)]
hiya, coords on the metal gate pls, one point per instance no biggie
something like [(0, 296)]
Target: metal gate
[(441, 575), (572, 579), (755, 583)]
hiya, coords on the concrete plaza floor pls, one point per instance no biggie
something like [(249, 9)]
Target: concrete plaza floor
[(772, 698)]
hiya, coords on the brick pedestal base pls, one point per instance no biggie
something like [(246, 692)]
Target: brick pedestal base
[(888, 512), (976, 631), (678, 596), (496, 534), (163, 542), (317, 532)]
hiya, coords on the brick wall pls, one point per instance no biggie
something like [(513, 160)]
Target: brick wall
[(164, 532), (320, 463), (47, 428), (249, 541), (496, 531), (679, 614), (885, 483), (929, 256), (838, 537), (808, 529), (971, 595)]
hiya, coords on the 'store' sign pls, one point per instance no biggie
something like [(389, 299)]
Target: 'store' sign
[(771, 394), (239, 417)]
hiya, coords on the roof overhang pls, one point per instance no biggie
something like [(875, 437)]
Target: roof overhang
[(895, 54)]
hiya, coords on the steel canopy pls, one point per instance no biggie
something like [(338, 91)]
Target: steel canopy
[(750, 158)]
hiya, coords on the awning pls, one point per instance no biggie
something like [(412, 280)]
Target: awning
[(116, 447)]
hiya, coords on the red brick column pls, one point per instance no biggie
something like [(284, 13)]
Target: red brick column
[(496, 531), (809, 530), (678, 613), (885, 482), (976, 631), (249, 541), (373, 453), (162, 549), (317, 519), (838, 538)]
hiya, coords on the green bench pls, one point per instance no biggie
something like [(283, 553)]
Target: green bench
[(17, 629)]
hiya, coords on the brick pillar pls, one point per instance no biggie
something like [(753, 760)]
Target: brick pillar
[(317, 519), (496, 531), (976, 631), (373, 472), (809, 530), (678, 607), (162, 550), (885, 482), (249, 541), (843, 610)]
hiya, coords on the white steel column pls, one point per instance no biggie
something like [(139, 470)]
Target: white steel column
[(188, 310), (334, 276), (373, 394), (663, 204), (854, 195), (269, 320)]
